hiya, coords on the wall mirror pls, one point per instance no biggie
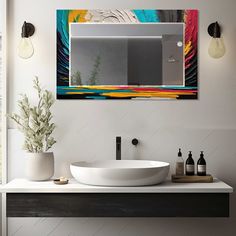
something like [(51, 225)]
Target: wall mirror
[(127, 54)]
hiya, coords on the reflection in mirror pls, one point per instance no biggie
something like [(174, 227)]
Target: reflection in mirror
[(127, 54)]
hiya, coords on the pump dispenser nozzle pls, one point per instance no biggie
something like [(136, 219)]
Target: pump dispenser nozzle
[(179, 153)]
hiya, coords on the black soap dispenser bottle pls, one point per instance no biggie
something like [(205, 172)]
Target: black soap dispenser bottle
[(189, 166), (201, 165)]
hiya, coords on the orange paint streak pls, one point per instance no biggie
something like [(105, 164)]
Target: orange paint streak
[(77, 16), (187, 48)]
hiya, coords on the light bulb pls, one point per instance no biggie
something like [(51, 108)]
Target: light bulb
[(25, 48), (216, 48)]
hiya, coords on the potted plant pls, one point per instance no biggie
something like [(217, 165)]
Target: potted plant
[(35, 122)]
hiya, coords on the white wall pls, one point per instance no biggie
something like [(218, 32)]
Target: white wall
[(87, 129)]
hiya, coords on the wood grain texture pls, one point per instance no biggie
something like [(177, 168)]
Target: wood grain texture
[(192, 179), (117, 205)]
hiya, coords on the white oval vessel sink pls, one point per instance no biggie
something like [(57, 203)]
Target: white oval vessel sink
[(120, 173)]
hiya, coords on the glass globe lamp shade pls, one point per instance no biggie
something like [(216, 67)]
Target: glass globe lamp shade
[(216, 48), (25, 48)]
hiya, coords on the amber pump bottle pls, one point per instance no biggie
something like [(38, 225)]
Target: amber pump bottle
[(201, 165), (189, 167)]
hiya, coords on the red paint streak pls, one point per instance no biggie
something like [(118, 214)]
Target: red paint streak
[(191, 34)]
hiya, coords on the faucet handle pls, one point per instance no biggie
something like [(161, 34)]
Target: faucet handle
[(118, 139), (135, 141)]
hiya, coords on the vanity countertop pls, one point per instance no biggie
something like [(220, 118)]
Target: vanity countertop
[(25, 186)]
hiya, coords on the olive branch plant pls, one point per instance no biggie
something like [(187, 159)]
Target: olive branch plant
[(35, 122)]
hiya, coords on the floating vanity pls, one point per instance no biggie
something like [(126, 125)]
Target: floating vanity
[(45, 199)]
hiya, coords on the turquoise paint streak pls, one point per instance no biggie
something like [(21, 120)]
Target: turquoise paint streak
[(65, 90), (147, 15), (62, 26), (96, 97)]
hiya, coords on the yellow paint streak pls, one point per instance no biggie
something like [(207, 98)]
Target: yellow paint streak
[(139, 94), (173, 95), (187, 48), (123, 95), (73, 15)]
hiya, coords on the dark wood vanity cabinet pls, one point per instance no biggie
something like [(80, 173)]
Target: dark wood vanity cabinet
[(45, 199), (118, 204)]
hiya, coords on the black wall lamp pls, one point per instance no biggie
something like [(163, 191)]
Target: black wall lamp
[(25, 48), (217, 47)]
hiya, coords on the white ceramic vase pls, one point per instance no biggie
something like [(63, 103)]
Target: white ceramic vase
[(39, 166)]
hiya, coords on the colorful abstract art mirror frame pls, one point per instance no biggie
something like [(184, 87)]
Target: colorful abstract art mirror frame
[(189, 91)]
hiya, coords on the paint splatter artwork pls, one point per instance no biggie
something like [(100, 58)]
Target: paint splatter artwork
[(71, 87)]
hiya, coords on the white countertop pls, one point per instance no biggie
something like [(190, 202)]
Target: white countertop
[(25, 186)]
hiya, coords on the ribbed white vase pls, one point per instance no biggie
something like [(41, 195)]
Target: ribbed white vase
[(39, 166)]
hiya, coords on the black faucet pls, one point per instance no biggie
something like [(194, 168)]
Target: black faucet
[(118, 148)]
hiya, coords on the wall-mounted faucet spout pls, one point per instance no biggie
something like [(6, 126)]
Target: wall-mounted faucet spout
[(118, 148)]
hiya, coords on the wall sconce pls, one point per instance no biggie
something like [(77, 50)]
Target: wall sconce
[(25, 48), (217, 47)]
